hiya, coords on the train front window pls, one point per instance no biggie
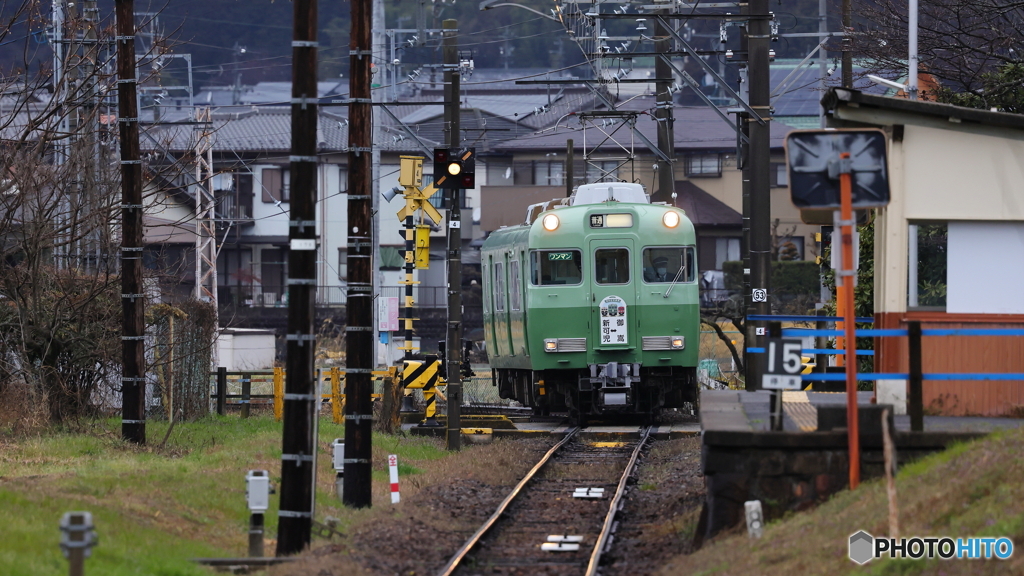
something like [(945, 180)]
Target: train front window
[(556, 267), (663, 263), (611, 265)]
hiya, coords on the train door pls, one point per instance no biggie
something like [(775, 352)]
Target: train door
[(490, 314), (613, 311), (507, 314), (522, 288), (499, 296)]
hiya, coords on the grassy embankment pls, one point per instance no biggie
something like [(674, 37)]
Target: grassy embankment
[(156, 508), (973, 489)]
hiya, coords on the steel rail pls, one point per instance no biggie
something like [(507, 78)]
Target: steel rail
[(453, 563), (613, 507)]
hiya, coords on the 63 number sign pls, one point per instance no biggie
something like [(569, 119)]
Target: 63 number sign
[(783, 364)]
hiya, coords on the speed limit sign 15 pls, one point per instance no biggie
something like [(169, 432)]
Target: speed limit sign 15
[(783, 364)]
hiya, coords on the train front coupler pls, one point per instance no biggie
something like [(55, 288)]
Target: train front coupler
[(611, 385)]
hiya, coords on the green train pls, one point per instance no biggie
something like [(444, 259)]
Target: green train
[(592, 305)]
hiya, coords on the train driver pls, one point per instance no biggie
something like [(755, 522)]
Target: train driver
[(658, 272)]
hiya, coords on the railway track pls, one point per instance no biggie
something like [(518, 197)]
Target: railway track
[(560, 518)]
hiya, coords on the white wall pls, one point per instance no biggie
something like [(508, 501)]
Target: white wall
[(985, 268), (240, 349)]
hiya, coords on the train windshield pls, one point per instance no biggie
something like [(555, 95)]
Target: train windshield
[(612, 265), (663, 264), (554, 267)]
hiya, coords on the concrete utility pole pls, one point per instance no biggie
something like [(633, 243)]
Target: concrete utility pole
[(822, 54), (847, 41), (758, 38), (359, 329), (133, 303), (453, 106), (298, 454)]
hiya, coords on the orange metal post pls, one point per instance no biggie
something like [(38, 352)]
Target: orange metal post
[(840, 312), (847, 275)]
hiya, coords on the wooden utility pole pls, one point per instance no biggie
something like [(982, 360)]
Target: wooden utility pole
[(359, 331), (453, 105), (133, 303), (663, 113), (298, 461), (758, 38)]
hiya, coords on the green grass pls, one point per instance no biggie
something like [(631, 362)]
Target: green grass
[(156, 508), (973, 489)]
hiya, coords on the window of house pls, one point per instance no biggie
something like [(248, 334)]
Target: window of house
[(556, 267), (342, 264), (603, 171), (703, 165), (932, 264), (439, 199), (392, 258), (790, 248), (499, 173), (549, 173), (275, 183), (779, 176), (726, 250), (514, 287), (611, 265), (499, 287)]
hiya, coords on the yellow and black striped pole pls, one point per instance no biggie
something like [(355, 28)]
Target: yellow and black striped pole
[(424, 375)]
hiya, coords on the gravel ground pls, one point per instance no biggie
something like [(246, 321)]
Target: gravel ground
[(445, 504), (661, 511)]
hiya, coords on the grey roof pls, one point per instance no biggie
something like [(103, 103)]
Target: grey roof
[(703, 209), (836, 98), (263, 93), (803, 94), (265, 129)]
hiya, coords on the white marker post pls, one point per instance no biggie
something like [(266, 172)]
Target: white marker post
[(393, 470)]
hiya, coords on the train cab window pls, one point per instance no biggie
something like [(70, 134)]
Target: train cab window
[(556, 267), (663, 263), (514, 296), (499, 287), (611, 265)]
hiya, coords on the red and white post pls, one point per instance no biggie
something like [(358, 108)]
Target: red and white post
[(393, 471)]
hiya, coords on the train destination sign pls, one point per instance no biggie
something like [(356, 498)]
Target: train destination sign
[(611, 220), (814, 167)]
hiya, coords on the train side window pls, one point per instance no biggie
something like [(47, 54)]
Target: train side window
[(556, 267), (663, 263), (611, 265), (499, 287), (514, 287)]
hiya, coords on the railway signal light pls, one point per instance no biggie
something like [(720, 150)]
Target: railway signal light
[(455, 168)]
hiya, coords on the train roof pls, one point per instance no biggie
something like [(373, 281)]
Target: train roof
[(588, 194), (601, 192)]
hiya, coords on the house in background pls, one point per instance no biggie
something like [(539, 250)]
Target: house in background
[(958, 170), (531, 169)]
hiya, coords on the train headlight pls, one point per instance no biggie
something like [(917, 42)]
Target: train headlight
[(550, 222), (551, 345), (670, 219), (677, 343)]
